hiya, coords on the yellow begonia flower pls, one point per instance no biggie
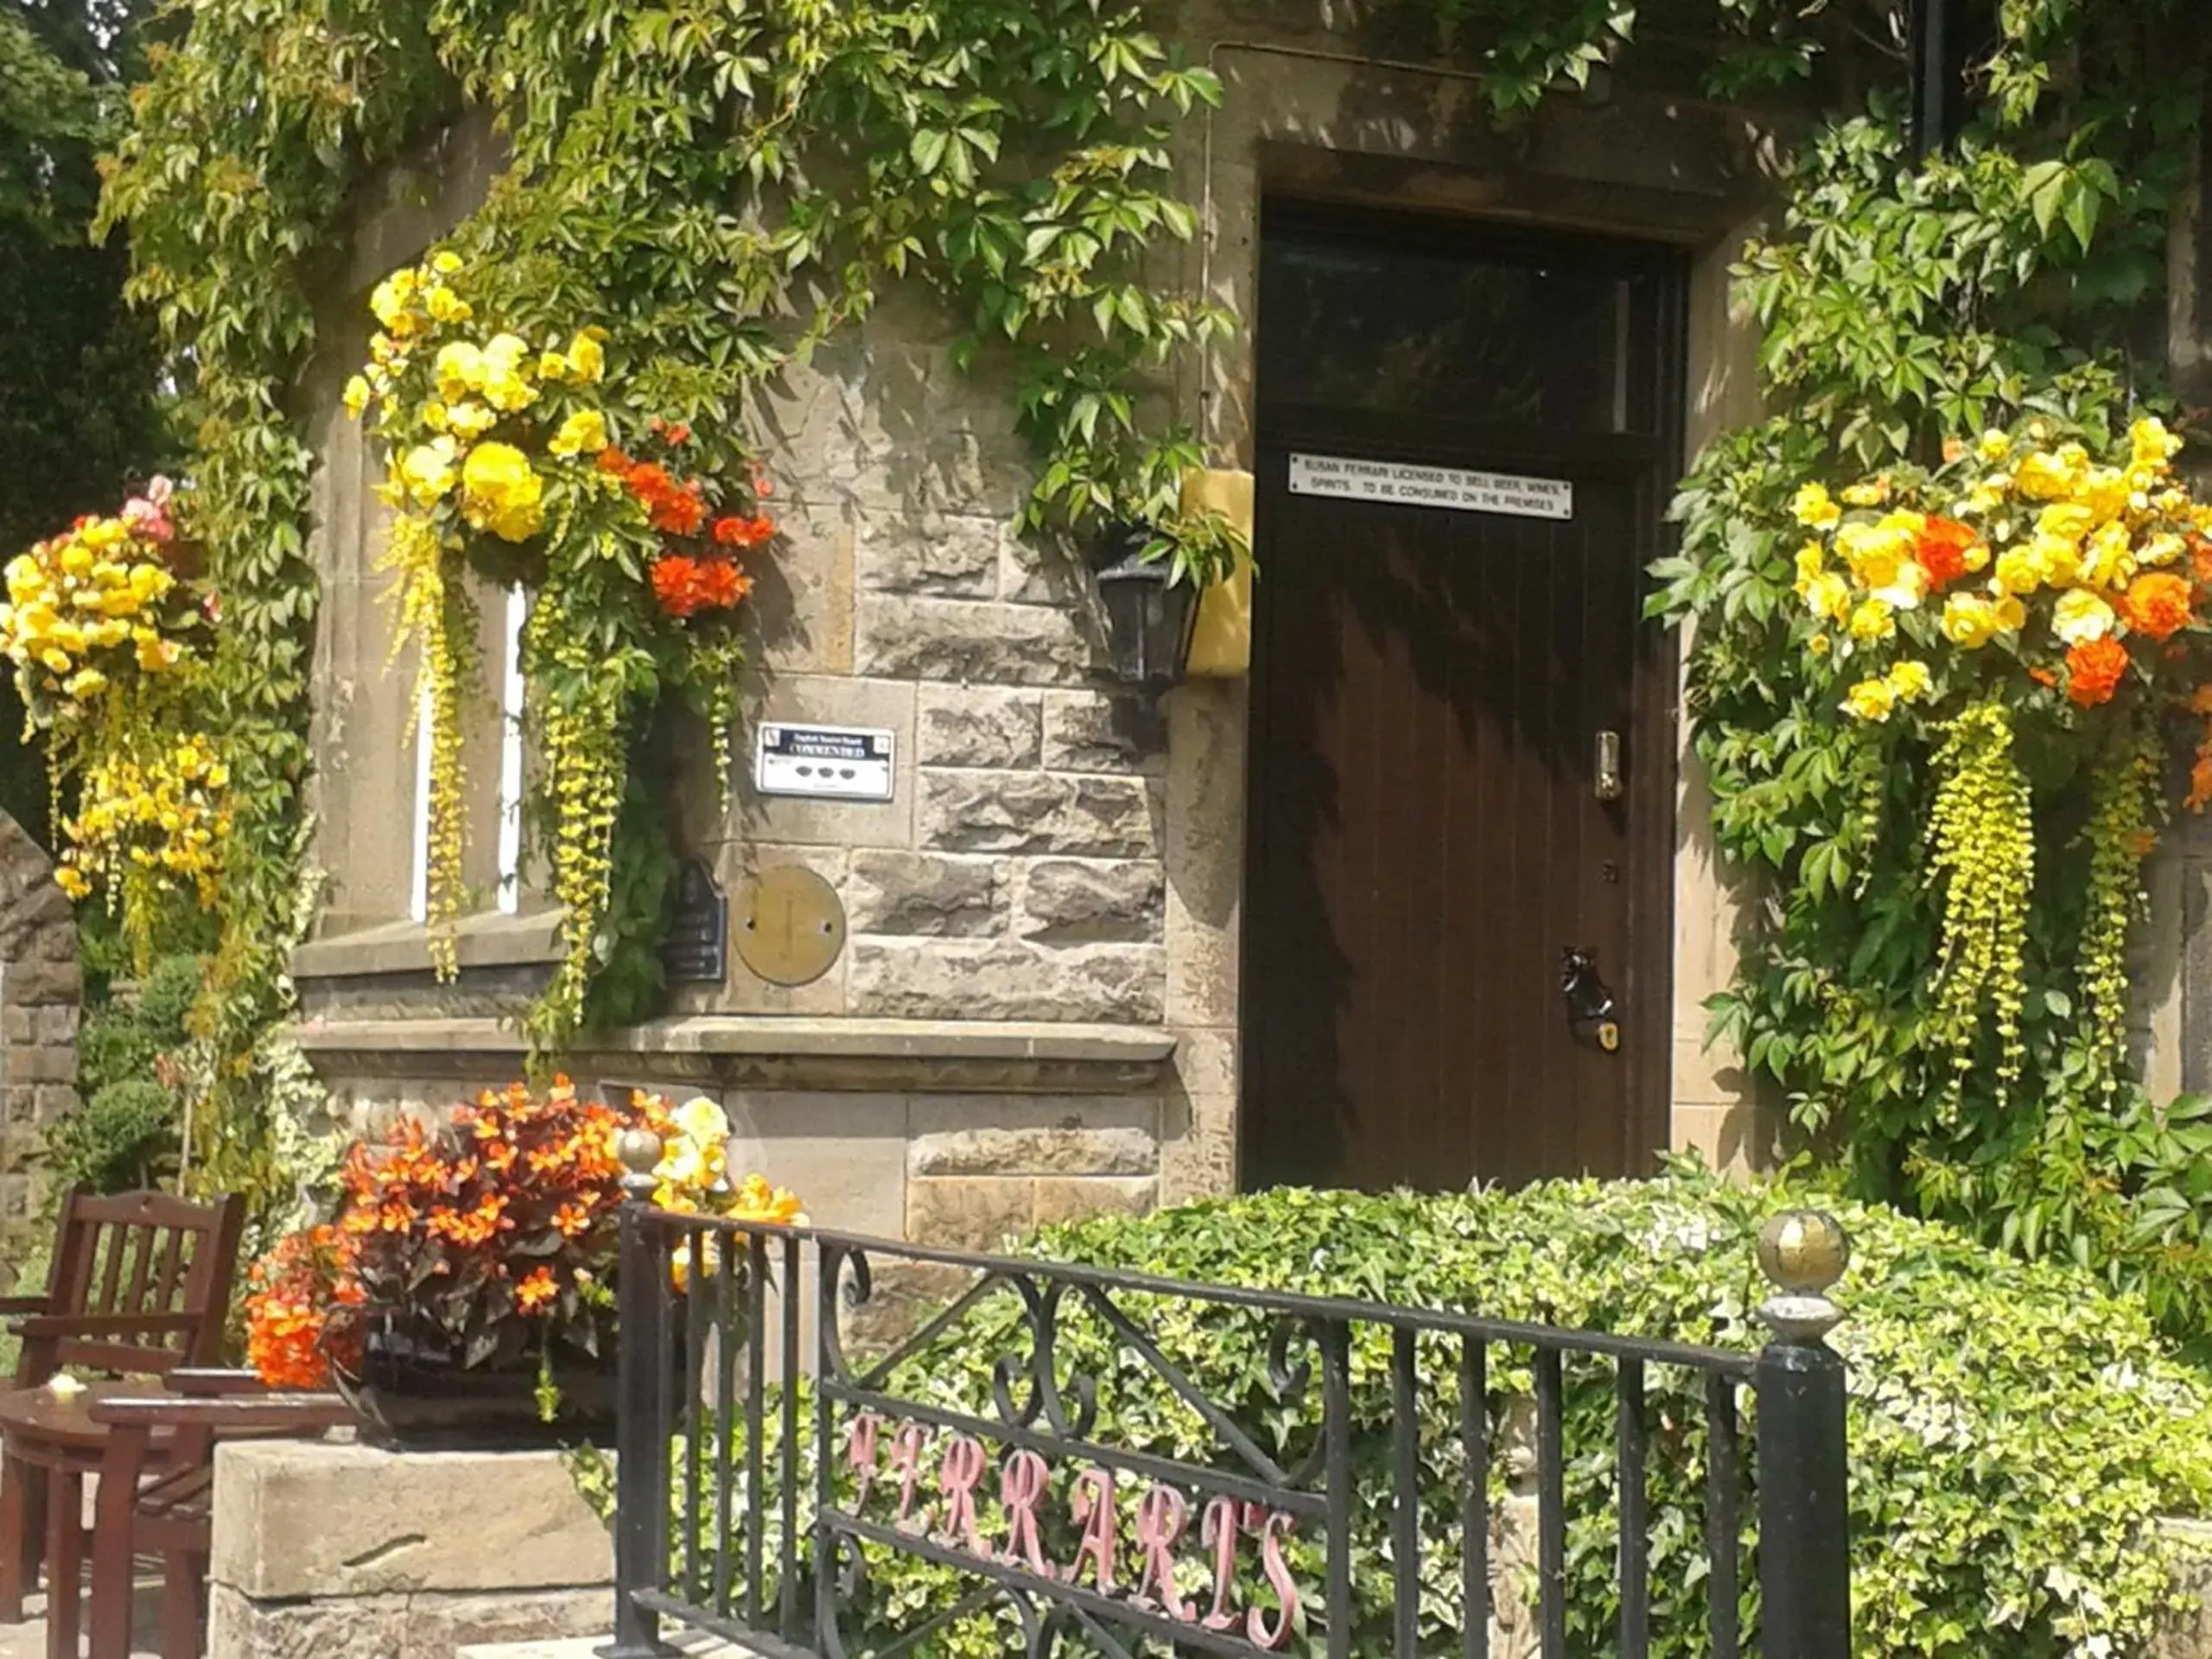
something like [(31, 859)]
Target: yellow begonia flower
[(1829, 596), (1905, 591), (86, 681), (1871, 700), (2111, 562), (1993, 446), (587, 361), (460, 368), (2160, 550), (501, 493), (703, 1121), (56, 660), (1969, 621), (2104, 494), (2044, 476), (1818, 644), (1812, 559), (2150, 444), (2080, 616), (2060, 561), (1873, 619), (393, 297), (1911, 681), (1870, 493), (1984, 498), (2018, 571), (584, 432), (470, 421), (507, 392), (446, 305), (445, 262), (2065, 521), (551, 365), (426, 470), (357, 395)]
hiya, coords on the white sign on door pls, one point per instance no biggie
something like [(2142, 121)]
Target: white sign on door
[(1406, 484)]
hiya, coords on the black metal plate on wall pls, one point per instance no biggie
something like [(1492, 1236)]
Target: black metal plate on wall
[(695, 949)]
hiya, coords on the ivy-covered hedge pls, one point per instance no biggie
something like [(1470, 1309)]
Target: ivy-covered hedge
[(2016, 1430)]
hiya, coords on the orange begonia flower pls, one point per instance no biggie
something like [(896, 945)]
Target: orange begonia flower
[(2094, 671)]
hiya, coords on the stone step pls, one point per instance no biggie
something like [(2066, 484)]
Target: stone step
[(693, 1644)]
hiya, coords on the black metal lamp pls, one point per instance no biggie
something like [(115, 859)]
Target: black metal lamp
[(1150, 619)]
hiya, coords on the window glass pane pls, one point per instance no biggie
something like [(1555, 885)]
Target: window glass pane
[(1372, 324)]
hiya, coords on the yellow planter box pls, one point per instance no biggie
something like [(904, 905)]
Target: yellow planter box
[(1221, 647)]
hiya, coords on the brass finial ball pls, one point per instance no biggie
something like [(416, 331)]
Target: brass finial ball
[(639, 1149), (1803, 1251)]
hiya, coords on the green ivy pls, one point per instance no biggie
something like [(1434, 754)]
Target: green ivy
[(1968, 1535)]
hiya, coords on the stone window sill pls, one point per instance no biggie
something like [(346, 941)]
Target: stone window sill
[(768, 1050), (490, 940)]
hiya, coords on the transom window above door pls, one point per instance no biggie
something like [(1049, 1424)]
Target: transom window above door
[(1550, 333)]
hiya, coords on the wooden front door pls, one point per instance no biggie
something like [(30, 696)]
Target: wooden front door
[(1448, 662)]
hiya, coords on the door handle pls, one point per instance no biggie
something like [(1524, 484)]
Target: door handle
[(1605, 768), (1591, 1008)]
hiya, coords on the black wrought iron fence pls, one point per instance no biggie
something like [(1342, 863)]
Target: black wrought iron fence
[(833, 1446)]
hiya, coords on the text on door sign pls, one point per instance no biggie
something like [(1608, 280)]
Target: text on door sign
[(1406, 484)]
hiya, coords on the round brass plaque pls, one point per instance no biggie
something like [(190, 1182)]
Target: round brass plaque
[(787, 926)]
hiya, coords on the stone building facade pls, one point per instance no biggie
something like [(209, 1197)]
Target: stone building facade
[(40, 983), (1042, 1002)]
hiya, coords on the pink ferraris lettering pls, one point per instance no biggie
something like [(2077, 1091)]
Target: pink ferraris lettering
[(1161, 1516), (1162, 1526), (1224, 1521), (906, 1449), (1095, 1511), (965, 1464), (860, 1453), (1021, 1489)]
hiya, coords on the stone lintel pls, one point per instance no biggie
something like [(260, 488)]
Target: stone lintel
[(769, 1050)]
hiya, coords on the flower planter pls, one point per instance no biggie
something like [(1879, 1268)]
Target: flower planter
[(418, 1399)]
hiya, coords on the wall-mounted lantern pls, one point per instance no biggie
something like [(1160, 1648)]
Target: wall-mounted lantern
[(1149, 619)]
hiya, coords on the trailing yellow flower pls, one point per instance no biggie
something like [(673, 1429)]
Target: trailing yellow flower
[(2125, 791), (586, 360), (1982, 844)]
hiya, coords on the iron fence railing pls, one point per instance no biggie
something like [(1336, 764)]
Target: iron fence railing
[(782, 1488)]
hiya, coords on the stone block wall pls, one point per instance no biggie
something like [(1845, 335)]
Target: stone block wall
[(1044, 860), (39, 986), (331, 1550)]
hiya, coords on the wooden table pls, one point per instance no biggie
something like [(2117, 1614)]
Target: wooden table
[(49, 1444)]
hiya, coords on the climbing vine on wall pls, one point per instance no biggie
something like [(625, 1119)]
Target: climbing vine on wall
[(730, 189), (1936, 976)]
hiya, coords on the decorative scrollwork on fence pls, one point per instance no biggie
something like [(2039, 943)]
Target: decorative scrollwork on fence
[(1040, 1304)]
